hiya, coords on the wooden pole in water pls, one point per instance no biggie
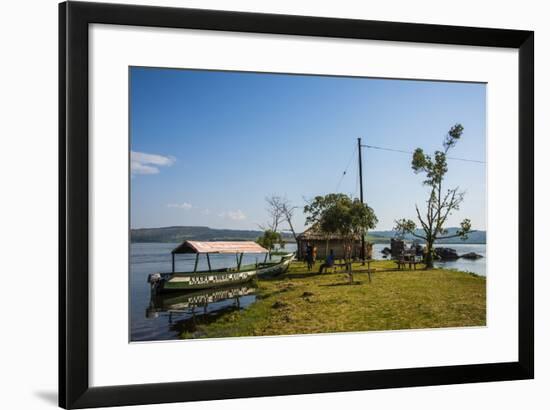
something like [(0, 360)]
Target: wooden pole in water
[(361, 196), (173, 264)]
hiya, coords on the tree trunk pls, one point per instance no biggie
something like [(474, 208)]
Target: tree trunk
[(292, 229), (429, 259)]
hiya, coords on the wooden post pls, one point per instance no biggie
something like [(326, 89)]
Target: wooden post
[(265, 260), (361, 197), (239, 264), (196, 263), (368, 269), (173, 263), (208, 260)]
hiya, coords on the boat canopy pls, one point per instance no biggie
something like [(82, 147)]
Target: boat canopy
[(219, 247)]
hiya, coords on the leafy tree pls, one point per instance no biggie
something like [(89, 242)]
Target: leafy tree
[(339, 214), (269, 239), (440, 204), (317, 206)]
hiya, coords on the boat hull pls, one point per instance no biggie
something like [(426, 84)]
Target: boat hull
[(184, 281), (178, 282)]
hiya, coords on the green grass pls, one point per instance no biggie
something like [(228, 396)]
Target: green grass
[(301, 302)]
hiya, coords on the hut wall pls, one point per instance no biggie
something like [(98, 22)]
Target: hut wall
[(336, 245)]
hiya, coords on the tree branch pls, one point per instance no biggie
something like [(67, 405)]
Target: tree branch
[(450, 205), (418, 236), (421, 220), (456, 235)]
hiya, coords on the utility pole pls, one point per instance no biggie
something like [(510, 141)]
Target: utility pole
[(363, 253)]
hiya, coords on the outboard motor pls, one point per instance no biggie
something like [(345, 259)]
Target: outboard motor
[(156, 280)]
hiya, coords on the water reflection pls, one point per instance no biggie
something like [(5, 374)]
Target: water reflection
[(185, 312)]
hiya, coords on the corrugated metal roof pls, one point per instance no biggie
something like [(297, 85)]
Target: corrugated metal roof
[(219, 247)]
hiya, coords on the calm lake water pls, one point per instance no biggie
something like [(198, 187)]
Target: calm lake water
[(166, 317)]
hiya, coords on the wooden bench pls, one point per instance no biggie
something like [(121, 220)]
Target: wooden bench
[(404, 261), (335, 266), (366, 270), (344, 266)]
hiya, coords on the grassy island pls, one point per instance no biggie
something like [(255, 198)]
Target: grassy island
[(302, 302)]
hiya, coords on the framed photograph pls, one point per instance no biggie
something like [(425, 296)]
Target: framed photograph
[(258, 204)]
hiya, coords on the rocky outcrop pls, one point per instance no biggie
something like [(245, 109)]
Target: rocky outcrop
[(419, 249), (471, 255), (446, 254)]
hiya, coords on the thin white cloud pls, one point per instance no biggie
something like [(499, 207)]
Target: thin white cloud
[(237, 215), (183, 205), (142, 163), (205, 211)]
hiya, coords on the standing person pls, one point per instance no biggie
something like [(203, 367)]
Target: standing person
[(329, 262), (309, 256), (347, 256), (313, 255)]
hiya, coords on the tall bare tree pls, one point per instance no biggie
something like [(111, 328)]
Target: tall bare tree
[(281, 210), (440, 205), (275, 213)]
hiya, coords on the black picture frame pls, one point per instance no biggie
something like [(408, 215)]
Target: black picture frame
[(74, 388)]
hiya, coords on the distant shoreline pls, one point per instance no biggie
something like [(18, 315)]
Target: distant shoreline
[(177, 234)]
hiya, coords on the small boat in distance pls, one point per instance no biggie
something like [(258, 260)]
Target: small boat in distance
[(162, 282)]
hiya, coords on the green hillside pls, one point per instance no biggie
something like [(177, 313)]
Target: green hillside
[(173, 234)]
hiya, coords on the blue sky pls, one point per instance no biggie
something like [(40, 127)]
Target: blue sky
[(208, 146)]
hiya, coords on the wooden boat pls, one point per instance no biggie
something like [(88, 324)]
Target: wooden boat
[(162, 282)]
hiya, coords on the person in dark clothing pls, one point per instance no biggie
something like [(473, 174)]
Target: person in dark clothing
[(309, 256), (329, 262), (313, 255)]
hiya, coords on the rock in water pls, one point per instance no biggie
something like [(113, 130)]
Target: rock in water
[(446, 254), (386, 251), (471, 255)]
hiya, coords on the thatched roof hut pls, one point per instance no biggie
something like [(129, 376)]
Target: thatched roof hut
[(324, 242)]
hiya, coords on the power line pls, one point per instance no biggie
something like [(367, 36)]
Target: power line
[(345, 170), (357, 182), (409, 152)]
